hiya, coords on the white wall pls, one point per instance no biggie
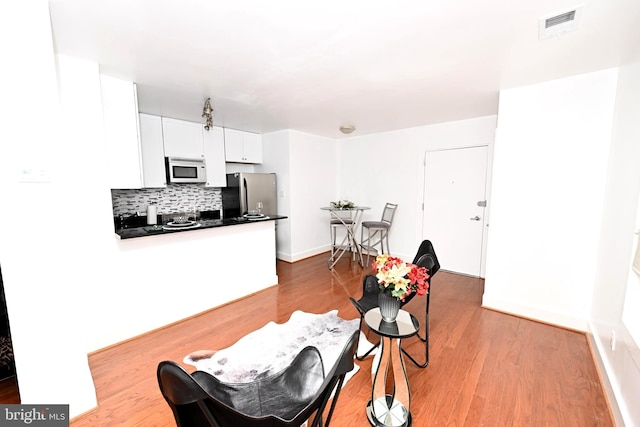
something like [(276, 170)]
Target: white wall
[(276, 158), (313, 184), (631, 312), (48, 268), (549, 172), (616, 296), (306, 169), (389, 167), (313, 171)]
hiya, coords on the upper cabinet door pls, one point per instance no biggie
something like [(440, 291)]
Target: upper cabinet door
[(252, 144), (182, 139), (233, 149), (153, 169), (214, 157), (242, 147), (120, 113)]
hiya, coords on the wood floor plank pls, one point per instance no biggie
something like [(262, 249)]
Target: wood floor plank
[(486, 368), (9, 391)]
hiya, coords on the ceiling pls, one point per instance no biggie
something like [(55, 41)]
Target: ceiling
[(314, 65)]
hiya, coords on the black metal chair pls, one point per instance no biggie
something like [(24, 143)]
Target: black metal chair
[(425, 257), (285, 399)]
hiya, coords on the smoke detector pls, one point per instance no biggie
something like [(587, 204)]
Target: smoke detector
[(558, 23)]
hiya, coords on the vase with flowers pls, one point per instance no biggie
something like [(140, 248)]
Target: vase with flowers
[(342, 204), (397, 281)]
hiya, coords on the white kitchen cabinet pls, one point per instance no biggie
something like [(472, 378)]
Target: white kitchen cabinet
[(120, 115), (242, 147), (182, 139), (233, 145), (252, 145), (152, 148), (214, 157)]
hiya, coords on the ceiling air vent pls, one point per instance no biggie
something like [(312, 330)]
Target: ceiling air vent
[(558, 23)]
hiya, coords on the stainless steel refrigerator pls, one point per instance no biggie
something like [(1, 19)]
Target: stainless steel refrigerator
[(245, 190)]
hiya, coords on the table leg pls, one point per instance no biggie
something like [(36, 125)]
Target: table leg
[(390, 409), (349, 241), (338, 250), (356, 221)]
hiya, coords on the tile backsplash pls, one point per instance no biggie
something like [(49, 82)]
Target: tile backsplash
[(176, 198)]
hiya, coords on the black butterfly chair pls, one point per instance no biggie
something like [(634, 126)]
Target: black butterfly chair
[(285, 399), (426, 257)]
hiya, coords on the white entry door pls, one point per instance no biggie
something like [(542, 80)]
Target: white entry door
[(454, 207)]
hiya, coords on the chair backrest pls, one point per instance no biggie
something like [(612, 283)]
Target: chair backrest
[(389, 212), (285, 399), (279, 397), (426, 257), (370, 291)]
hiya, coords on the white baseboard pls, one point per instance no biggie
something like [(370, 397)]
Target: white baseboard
[(288, 257), (603, 372), (535, 313)]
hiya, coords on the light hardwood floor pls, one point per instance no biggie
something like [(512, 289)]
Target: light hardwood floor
[(486, 368)]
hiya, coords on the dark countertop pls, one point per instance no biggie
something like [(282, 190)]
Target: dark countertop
[(147, 230)]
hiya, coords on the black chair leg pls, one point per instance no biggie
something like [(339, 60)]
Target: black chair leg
[(362, 357), (373, 347), (333, 402), (425, 340)]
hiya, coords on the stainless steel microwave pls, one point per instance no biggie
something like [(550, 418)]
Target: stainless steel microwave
[(185, 171)]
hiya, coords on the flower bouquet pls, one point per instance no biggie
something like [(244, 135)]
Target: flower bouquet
[(397, 280), (343, 204)]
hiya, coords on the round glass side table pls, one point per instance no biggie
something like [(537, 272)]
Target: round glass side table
[(390, 408)]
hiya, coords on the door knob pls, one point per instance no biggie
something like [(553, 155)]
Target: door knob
[(475, 218)]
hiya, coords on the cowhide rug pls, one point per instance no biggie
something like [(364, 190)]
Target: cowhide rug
[(271, 348)]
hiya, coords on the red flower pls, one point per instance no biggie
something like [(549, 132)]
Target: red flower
[(399, 278)]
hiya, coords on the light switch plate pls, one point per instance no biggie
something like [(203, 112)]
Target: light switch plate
[(40, 175)]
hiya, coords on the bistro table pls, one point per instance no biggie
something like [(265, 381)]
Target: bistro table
[(349, 219), (390, 409)]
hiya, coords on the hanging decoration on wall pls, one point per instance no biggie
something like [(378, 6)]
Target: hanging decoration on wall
[(207, 112)]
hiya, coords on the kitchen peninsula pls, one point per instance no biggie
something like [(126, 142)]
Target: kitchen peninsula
[(178, 274)]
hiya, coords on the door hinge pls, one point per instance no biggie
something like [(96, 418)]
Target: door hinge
[(482, 203)]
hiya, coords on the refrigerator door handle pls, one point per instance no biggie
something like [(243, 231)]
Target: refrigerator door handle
[(246, 196)]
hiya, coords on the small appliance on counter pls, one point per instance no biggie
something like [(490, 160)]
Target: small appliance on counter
[(247, 192), (131, 221), (211, 214), (152, 215)]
